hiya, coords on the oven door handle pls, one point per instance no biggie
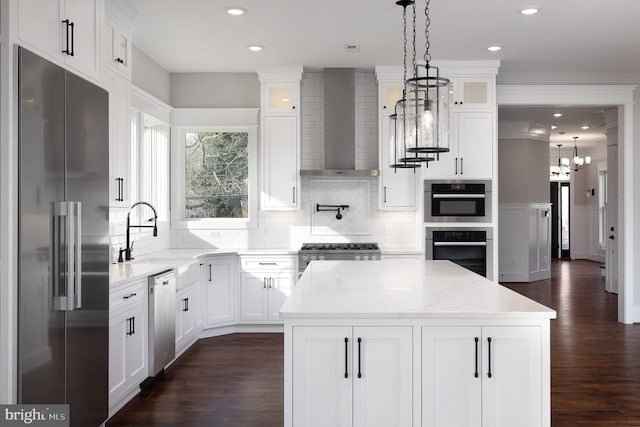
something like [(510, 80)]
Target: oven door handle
[(458, 196), (459, 243)]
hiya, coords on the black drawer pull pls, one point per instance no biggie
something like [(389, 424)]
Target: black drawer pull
[(489, 342), (346, 357), (359, 358), (476, 373)]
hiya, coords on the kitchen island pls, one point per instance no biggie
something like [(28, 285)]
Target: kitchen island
[(413, 343)]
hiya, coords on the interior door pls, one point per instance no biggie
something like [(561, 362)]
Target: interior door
[(611, 256)]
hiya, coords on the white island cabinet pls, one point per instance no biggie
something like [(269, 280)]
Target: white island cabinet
[(413, 343)]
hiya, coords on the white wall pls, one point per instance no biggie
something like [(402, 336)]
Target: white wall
[(215, 90), (523, 172), (289, 229), (148, 75)]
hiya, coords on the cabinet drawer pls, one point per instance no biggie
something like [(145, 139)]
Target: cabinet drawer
[(188, 275), (268, 263), (128, 295)]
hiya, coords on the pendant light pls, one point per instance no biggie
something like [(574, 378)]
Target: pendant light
[(398, 136), (563, 165), (427, 98), (578, 162)]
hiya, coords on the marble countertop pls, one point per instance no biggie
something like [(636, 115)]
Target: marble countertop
[(399, 289), (157, 262)]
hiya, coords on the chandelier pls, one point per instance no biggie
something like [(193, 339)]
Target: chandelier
[(426, 106), (562, 168), (400, 130), (578, 162)]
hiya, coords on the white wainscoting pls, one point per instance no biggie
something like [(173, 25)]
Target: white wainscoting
[(584, 230), (525, 242)]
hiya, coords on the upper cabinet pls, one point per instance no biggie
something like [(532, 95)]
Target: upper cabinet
[(65, 31), (471, 93), (116, 47), (280, 137), (396, 187)]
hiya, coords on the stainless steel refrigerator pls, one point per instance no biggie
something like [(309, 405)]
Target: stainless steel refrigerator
[(63, 240)]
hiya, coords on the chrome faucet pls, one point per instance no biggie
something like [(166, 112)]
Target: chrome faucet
[(127, 251)]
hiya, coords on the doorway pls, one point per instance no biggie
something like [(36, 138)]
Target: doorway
[(559, 196)]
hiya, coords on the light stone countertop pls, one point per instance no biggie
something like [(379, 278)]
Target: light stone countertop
[(157, 262), (403, 289)]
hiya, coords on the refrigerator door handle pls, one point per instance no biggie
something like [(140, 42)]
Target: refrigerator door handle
[(70, 261), (54, 258), (77, 252)]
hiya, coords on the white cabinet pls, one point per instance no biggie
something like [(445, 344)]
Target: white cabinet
[(265, 284), (127, 342), (187, 317), (65, 31), (219, 291), (262, 293), (116, 47), (281, 169), (119, 89), (471, 143), (471, 93), (482, 376), (352, 376), (188, 306), (280, 136), (397, 187)]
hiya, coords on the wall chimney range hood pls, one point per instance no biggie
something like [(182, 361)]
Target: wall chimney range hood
[(339, 127)]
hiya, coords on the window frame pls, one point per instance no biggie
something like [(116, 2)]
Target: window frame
[(178, 172)]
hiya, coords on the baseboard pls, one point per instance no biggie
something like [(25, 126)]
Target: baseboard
[(516, 276), (539, 275), (240, 329)]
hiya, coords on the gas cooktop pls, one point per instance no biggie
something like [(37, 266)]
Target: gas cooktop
[(340, 247)]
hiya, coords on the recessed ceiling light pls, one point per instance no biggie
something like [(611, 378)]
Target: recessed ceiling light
[(554, 127), (256, 48), (235, 10), (585, 127), (557, 115), (529, 11), (494, 48)]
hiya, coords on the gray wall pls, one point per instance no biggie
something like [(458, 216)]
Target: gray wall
[(215, 90), (523, 171), (149, 76)]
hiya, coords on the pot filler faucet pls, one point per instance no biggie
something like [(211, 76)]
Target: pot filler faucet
[(127, 251)]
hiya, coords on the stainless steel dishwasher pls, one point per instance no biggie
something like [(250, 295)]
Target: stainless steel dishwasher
[(162, 321)]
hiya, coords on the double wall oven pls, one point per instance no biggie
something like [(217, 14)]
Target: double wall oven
[(457, 201), (469, 247)]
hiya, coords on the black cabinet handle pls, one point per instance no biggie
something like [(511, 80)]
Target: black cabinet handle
[(210, 273), (133, 325), (294, 195), (66, 23), (456, 166), (185, 302), (73, 49), (461, 166), (476, 373), (130, 326), (489, 342), (384, 194), (359, 358), (346, 357), (122, 189)]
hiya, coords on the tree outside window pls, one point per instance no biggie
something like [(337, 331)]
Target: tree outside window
[(217, 175)]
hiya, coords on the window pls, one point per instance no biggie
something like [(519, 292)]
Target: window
[(216, 174), (214, 169), (150, 163)]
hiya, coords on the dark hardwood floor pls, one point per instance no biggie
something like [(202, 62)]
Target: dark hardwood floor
[(237, 380), (595, 361)]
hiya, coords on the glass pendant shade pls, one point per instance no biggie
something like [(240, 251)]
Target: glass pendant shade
[(428, 108), (399, 137)]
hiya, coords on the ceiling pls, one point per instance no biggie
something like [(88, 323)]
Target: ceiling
[(568, 126), (566, 36)]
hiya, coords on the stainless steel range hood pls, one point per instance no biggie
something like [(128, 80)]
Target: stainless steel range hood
[(339, 127)]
